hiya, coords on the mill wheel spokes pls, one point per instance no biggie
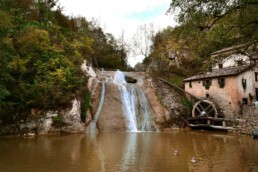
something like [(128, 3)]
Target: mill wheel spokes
[(204, 108)]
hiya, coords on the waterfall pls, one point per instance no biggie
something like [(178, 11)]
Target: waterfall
[(136, 108), (147, 124), (127, 96), (92, 128)]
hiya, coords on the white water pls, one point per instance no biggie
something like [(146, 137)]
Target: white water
[(147, 123), (127, 97), (92, 128), (135, 105)]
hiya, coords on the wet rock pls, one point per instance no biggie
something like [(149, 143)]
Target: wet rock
[(112, 119)]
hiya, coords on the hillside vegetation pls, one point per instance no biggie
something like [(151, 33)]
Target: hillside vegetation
[(41, 51)]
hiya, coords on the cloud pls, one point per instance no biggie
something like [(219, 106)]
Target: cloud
[(116, 15)]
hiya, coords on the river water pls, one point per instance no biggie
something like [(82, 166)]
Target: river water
[(146, 151)]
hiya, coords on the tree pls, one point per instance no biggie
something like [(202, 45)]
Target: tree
[(44, 9), (142, 40), (123, 48), (231, 21)]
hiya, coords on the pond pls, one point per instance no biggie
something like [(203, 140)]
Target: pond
[(143, 151)]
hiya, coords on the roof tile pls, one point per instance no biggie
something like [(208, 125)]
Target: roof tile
[(220, 72)]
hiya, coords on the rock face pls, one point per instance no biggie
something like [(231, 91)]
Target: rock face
[(72, 119), (161, 114), (40, 122), (172, 101), (112, 118)]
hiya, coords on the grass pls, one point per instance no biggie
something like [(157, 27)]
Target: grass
[(176, 80)]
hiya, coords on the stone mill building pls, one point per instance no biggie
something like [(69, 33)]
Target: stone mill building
[(231, 84)]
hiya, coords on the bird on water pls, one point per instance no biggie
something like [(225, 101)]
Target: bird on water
[(193, 160), (175, 153)]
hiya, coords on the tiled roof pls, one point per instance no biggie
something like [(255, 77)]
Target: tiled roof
[(220, 72)]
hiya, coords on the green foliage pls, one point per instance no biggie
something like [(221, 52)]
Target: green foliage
[(85, 104), (58, 121), (188, 104), (221, 23), (177, 80)]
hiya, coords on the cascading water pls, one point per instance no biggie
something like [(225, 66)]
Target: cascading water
[(147, 124), (127, 97), (135, 105), (92, 127)]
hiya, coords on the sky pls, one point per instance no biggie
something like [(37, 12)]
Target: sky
[(117, 16)]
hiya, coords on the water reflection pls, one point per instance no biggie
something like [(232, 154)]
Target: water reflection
[(149, 151)]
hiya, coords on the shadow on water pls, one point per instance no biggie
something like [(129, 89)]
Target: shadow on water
[(141, 151)]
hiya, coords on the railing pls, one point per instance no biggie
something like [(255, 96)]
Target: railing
[(179, 89)]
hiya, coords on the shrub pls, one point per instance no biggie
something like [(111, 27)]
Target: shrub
[(57, 120)]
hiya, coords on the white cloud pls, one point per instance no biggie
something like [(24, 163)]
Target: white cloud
[(118, 15), (113, 14)]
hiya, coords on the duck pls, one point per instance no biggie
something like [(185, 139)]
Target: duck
[(193, 160), (175, 153)]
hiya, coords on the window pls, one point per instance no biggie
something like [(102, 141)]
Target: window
[(244, 83), (256, 76), (221, 82), (190, 84), (256, 94), (244, 101), (220, 66), (207, 83)]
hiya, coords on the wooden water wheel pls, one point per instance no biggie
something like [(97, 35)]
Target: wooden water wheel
[(204, 108)]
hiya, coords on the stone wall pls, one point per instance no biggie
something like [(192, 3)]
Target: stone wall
[(172, 101), (249, 120)]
